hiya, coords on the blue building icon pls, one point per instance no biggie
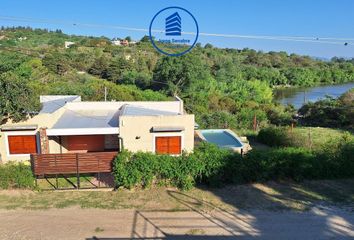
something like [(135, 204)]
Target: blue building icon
[(173, 25)]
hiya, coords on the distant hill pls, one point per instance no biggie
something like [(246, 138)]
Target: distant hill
[(212, 81)]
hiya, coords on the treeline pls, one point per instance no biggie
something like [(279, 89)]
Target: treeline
[(223, 87), (329, 112)]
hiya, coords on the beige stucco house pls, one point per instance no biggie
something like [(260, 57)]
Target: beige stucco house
[(68, 125)]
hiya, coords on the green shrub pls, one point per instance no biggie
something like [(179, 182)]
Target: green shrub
[(206, 164), (16, 175), (214, 166), (273, 136)]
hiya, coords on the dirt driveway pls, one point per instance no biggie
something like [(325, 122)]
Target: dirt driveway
[(76, 223)]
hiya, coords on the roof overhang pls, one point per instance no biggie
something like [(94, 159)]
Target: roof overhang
[(19, 127), (167, 129), (81, 131)]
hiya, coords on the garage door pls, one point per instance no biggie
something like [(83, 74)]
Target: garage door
[(22, 144), (168, 145), (89, 143)]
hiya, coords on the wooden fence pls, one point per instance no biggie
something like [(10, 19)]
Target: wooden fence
[(72, 163)]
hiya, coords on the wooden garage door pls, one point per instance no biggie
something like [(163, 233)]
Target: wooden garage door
[(168, 145), (89, 143), (22, 144)]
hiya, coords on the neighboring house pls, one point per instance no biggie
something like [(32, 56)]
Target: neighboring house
[(116, 42), (124, 42), (68, 125), (68, 44)]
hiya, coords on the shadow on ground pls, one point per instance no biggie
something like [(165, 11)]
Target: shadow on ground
[(264, 211)]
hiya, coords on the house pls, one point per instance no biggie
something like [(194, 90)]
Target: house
[(66, 125), (116, 42), (124, 42), (68, 44)]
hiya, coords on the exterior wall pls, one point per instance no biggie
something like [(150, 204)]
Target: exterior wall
[(54, 144), (43, 140), (4, 148), (170, 106), (137, 135), (42, 120)]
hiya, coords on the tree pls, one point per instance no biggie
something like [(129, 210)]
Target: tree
[(116, 69), (208, 46), (128, 38), (17, 99), (99, 67), (145, 39), (57, 63), (178, 74)]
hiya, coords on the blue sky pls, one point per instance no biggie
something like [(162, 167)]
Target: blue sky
[(315, 18)]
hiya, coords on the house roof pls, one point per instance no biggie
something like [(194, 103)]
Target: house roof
[(87, 119), (82, 118), (19, 127), (133, 110), (51, 103)]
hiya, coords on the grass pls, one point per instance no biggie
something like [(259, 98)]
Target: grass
[(271, 195), (307, 137), (313, 136), (63, 183), (98, 230)]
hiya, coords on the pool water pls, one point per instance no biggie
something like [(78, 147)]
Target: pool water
[(222, 138)]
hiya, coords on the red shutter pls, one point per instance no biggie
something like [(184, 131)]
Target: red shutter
[(24, 144), (168, 145)]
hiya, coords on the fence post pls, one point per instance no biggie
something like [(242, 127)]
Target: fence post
[(98, 174), (33, 169), (56, 175), (77, 171)]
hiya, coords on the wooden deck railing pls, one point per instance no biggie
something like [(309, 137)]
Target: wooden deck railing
[(72, 163)]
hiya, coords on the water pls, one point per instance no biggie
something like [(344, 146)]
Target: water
[(221, 138), (299, 96)]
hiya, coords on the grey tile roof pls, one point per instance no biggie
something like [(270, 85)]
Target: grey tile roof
[(131, 110), (87, 119), (52, 103), (103, 118)]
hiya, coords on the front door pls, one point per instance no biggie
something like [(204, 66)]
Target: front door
[(86, 143)]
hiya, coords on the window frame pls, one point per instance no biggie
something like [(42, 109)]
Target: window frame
[(168, 134), (20, 133)]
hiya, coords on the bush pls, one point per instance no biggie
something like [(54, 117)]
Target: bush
[(16, 175), (214, 166), (273, 136), (206, 164), (335, 160)]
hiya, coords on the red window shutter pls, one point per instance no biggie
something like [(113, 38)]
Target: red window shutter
[(22, 144), (174, 145), (168, 145)]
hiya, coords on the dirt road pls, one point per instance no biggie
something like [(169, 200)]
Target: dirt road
[(76, 223)]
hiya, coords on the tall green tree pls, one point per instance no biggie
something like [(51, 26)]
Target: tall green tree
[(17, 100), (178, 74)]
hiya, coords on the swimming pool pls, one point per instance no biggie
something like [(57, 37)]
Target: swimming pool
[(224, 138)]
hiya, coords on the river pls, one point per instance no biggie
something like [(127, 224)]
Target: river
[(299, 96)]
